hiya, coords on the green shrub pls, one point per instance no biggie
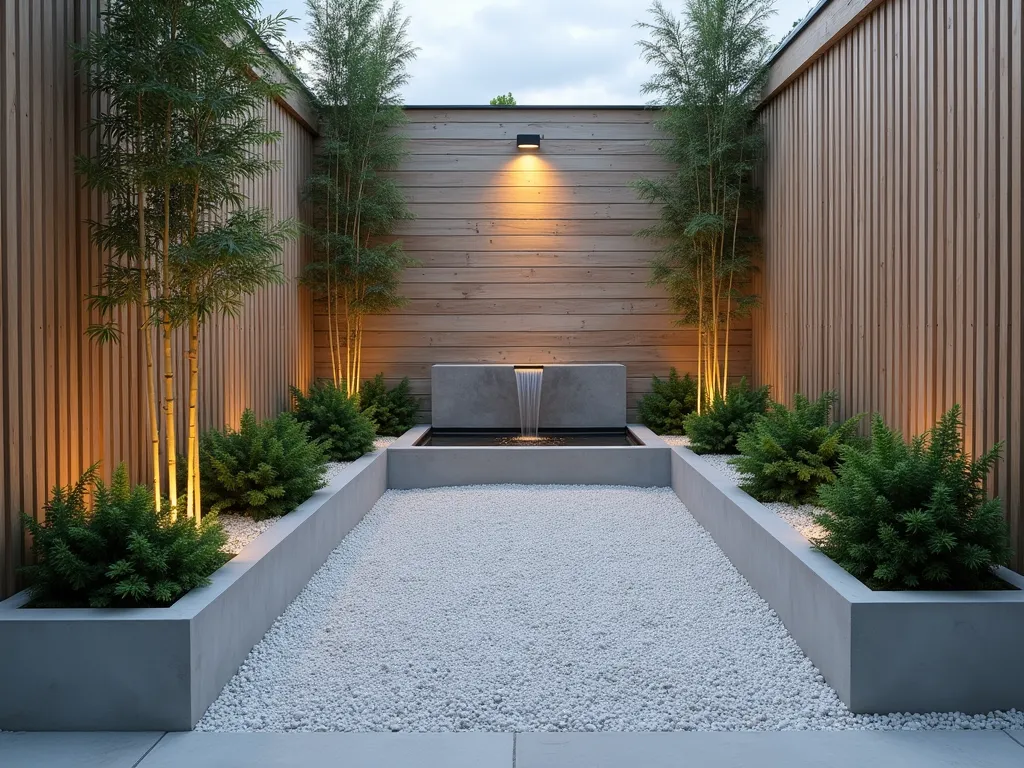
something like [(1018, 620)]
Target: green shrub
[(393, 411), (265, 469), (665, 408), (717, 427), (914, 516), (789, 453), (124, 554), (334, 418)]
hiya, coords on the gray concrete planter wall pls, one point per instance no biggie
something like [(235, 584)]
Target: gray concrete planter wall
[(882, 651), (485, 396), (413, 466), (160, 668)]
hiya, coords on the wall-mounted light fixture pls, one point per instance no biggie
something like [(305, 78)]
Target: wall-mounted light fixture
[(528, 141)]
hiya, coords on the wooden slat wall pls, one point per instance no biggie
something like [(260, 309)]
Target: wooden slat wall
[(64, 402), (528, 257), (893, 224)]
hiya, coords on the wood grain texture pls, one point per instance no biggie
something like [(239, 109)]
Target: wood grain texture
[(66, 403), (492, 146), (526, 194), (536, 289), (893, 225), (532, 211), (556, 126), (637, 165), (519, 243), (490, 116), (529, 275), (526, 176), (834, 20), (530, 260), (528, 257)]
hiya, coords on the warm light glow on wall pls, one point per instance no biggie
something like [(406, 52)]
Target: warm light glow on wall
[(527, 186), (529, 193), (527, 161)]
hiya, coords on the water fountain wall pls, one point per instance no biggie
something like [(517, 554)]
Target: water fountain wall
[(529, 384), (487, 397)]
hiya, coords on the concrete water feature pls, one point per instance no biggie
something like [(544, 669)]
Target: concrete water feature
[(478, 420), (529, 385), (487, 397)]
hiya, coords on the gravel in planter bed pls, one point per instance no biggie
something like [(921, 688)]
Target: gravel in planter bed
[(535, 608), (801, 518), (242, 530)]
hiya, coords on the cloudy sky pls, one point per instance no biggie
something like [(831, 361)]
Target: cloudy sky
[(543, 51)]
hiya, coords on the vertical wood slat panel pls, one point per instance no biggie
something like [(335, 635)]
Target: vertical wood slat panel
[(64, 402), (518, 212), (912, 270)]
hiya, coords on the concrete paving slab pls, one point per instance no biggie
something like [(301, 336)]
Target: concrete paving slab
[(803, 749), (75, 750), (1017, 736), (332, 750)]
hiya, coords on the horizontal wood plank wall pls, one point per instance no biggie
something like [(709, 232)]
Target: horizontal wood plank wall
[(65, 402), (528, 257), (893, 225)]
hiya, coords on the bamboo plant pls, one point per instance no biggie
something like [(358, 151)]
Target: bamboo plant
[(709, 72), (184, 127), (122, 67), (358, 52)]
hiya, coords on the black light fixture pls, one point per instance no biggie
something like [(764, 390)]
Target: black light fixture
[(528, 141)]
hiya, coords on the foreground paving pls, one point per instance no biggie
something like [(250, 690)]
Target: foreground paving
[(819, 749), (530, 609)]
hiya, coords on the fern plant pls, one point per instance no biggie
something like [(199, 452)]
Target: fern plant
[(393, 411), (789, 453), (125, 554), (334, 418), (717, 428), (664, 409), (914, 515), (264, 469)]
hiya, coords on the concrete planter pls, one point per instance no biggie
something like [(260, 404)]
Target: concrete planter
[(414, 466), (160, 668), (882, 651)]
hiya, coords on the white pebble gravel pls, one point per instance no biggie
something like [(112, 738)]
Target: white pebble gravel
[(242, 530), (800, 517), (534, 608), (676, 440)]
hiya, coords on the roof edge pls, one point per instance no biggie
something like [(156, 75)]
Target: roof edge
[(631, 107), (824, 26)]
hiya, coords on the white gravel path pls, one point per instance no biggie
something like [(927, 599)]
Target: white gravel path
[(242, 530), (800, 517), (532, 608)]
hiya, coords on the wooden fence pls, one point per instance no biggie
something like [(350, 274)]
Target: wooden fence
[(893, 269), (528, 256), (65, 402)]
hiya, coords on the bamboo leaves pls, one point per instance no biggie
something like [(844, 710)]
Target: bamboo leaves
[(184, 126), (709, 71), (359, 51)]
